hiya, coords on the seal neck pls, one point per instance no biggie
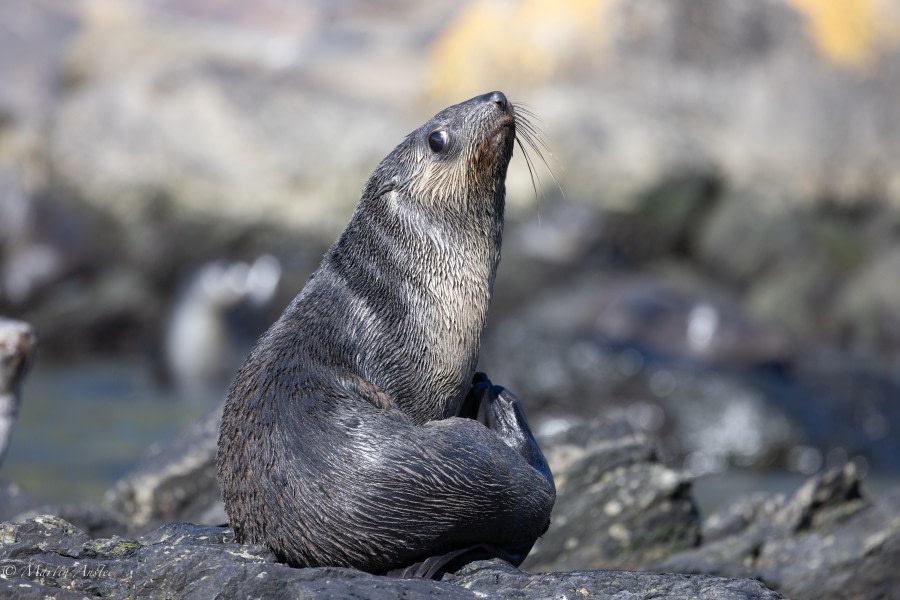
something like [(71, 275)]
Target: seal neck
[(424, 285)]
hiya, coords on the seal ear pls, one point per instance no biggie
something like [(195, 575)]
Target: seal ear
[(386, 187)]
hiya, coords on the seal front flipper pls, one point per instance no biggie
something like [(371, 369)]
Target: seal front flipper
[(499, 410)]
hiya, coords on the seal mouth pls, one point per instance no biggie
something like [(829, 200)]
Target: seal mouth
[(496, 143), (507, 122), (506, 128)]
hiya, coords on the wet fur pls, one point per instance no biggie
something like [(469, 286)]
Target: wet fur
[(340, 443)]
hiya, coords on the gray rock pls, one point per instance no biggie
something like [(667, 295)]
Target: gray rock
[(47, 556), (499, 580), (559, 350), (95, 521), (825, 541), (866, 312), (198, 132), (751, 231), (205, 123), (616, 506), (43, 240), (34, 41)]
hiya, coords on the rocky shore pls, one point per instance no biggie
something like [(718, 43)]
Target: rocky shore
[(48, 557), (160, 534), (618, 509)]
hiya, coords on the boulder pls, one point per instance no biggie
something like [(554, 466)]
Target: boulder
[(672, 362), (47, 556), (825, 541), (616, 505)]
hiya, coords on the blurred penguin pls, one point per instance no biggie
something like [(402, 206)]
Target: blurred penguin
[(17, 349), (202, 347)]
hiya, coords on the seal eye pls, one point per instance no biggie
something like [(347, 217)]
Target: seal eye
[(437, 141)]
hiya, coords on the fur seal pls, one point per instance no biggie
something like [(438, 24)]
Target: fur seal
[(357, 433)]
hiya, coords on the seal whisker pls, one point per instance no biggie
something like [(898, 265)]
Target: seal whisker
[(525, 108), (528, 163), (537, 136), (534, 138), (534, 131)]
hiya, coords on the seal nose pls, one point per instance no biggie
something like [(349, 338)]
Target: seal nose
[(498, 98)]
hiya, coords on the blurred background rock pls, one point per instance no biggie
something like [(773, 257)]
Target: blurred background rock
[(718, 264)]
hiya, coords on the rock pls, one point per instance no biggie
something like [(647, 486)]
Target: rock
[(688, 325), (35, 39), (499, 580), (30, 59), (95, 521), (636, 92), (220, 119), (176, 481), (825, 541), (47, 556), (663, 219), (116, 309), (738, 515), (616, 506), (43, 241), (866, 313), (751, 230), (619, 346), (195, 134), (18, 345), (805, 268)]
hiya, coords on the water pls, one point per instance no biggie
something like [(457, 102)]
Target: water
[(82, 426)]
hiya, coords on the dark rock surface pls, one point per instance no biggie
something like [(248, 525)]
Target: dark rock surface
[(47, 556), (616, 505), (826, 541), (500, 580), (704, 417)]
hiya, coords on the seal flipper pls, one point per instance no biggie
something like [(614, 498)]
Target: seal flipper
[(434, 567), (499, 410), (478, 395)]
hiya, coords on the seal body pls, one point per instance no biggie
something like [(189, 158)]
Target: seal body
[(357, 433)]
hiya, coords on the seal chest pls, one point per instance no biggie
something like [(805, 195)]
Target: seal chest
[(357, 432)]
